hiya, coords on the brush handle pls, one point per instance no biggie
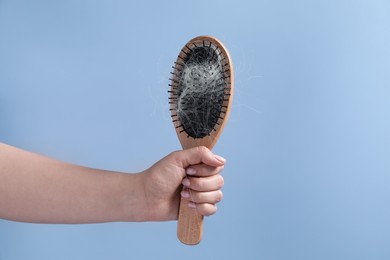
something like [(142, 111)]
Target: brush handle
[(190, 224)]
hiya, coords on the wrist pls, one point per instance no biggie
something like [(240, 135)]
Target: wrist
[(133, 200)]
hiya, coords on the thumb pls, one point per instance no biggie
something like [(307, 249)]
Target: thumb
[(198, 155)]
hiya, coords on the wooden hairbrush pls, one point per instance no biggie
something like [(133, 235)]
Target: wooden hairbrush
[(200, 99)]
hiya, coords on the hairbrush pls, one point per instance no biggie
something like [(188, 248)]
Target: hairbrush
[(201, 92)]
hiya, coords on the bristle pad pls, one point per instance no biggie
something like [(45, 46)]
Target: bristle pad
[(200, 93)]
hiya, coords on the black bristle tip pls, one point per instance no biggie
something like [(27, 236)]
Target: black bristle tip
[(188, 48), (175, 81)]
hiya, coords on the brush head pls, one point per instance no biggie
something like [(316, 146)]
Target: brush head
[(201, 91)]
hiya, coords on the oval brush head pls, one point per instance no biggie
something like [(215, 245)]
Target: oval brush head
[(200, 99)]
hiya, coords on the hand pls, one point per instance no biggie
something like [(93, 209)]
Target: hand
[(198, 169)]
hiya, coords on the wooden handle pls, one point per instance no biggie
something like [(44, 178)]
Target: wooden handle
[(190, 224)]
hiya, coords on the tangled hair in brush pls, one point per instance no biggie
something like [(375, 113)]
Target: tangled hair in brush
[(199, 89)]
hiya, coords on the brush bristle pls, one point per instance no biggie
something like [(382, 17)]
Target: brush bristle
[(200, 85)]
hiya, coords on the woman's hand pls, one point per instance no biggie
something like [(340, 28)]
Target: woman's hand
[(197, 169)]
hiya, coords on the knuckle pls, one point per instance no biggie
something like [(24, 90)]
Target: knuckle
[(202, 149), (175, 156), (174, 153)]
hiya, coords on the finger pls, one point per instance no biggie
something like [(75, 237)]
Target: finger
[(202, 197), (198, 155), (205, 209), (210, 183), (203, 170)]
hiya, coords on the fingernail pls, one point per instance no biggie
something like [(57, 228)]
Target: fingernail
[(191, 171), (191, 205), (185, 194), (186, 182), (220, 159)]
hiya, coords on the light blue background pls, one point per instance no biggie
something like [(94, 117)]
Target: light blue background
[(307, 143)]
